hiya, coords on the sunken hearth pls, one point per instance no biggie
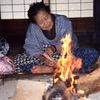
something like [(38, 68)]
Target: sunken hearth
[(59, 90)]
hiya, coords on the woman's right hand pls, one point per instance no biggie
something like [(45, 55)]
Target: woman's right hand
[(46, 59), (49, 51)]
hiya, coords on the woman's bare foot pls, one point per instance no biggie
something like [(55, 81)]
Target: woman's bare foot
[(41, 69)]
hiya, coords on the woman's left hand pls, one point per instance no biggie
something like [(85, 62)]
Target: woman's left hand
[(51, 64), (49, 51)]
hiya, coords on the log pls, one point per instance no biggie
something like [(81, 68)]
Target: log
[(59, 87), (90, 83)]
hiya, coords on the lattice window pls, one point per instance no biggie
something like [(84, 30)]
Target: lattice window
[(15, 9), (72, 8)]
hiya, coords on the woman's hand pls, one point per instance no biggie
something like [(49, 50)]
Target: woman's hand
[(49, 51), (47, 56), (51, 64), (46, 59)]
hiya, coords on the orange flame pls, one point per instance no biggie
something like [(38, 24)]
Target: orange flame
[(66, 65), (80, 91)]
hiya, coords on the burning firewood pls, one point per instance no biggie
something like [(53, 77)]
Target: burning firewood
[(64, 79), (59, 87), (64, 82)]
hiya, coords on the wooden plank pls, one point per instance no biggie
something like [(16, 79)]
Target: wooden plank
[(14, 26), (0, 26), (83, 24), (19, 26), (29, 90)]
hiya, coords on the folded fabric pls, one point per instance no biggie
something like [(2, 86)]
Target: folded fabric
[(6, 65)]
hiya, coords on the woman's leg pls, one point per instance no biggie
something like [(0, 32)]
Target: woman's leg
[(36, 68), (41, 69), (88, 56), (28, 67)]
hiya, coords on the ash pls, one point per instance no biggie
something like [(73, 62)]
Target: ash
[(49, 86)]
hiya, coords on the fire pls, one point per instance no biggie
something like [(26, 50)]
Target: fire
[(66, 64), (80, 91)]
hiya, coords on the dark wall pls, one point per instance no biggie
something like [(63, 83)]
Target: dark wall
[(97, 17), (0, 21), (19, 26), (0, 26)]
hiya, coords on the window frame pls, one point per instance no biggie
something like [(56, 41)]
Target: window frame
[(48, 3)]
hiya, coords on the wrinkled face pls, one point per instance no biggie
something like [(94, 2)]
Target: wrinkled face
[(44, 20)]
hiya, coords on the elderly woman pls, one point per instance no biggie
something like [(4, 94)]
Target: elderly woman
[(42, 41)]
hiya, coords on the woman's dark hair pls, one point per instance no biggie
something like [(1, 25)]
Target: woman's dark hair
[(35, 8)]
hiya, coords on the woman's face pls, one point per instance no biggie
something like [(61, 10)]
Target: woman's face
[(44, 20)]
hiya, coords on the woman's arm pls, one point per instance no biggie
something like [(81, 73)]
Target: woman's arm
[(33, 45), (64, 26)]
